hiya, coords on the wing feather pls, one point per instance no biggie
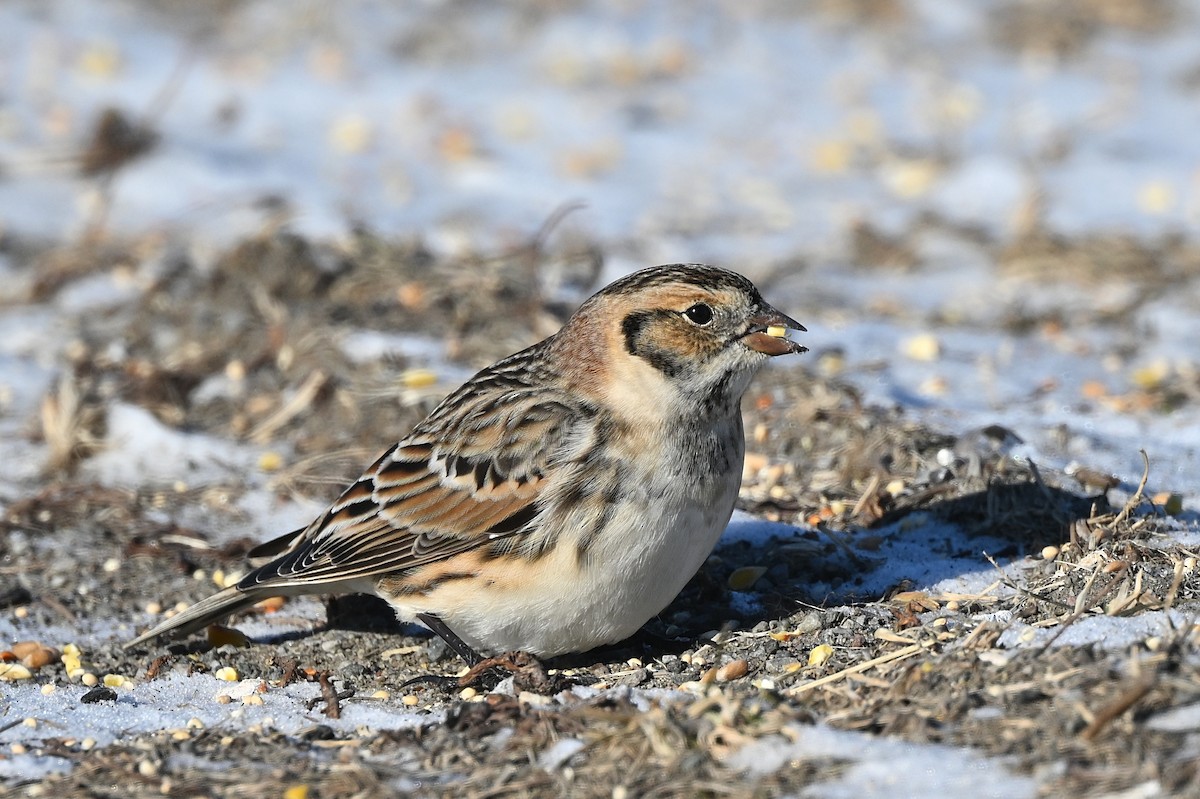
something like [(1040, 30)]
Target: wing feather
[(470, 474)]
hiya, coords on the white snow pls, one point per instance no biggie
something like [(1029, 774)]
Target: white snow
[(880, 768), (169, 703)]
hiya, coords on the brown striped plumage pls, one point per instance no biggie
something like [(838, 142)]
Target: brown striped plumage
[(560, 497)]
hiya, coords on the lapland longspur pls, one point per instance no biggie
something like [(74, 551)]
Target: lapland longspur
[(561, 497)]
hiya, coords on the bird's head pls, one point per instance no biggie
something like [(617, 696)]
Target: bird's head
[(696, 331)]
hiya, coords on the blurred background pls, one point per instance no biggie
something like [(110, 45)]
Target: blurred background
[(733, 130), (983, 211)]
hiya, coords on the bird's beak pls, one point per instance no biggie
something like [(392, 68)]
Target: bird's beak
[(769, 331)]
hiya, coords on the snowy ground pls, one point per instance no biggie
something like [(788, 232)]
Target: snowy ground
[(984, 213)]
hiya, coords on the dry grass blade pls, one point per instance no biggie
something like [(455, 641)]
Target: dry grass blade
[(1105, 715), (70, 425), (295, 406), (890, 657)]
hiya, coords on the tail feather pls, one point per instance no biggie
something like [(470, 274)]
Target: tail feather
[(201, 614)]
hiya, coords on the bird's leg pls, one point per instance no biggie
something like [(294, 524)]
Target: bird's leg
[(452, 640), (527, 670), (460, 647)]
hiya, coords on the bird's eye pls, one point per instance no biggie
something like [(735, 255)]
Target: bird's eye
[(699, 314)]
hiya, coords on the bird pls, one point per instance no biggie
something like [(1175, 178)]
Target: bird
[(560, 498)]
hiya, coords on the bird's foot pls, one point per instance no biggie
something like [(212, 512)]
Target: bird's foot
[(528, 673)]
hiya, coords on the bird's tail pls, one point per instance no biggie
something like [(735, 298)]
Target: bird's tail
[(201, 614)]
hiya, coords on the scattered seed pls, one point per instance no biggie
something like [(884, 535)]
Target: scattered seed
[(733, 670), (14, 671), (820, 654), (924, 347), (40, 656), (743, 579), (226, 673), (272, 604), (419, 378)]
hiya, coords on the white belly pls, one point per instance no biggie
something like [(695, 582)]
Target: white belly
[(655, 542)]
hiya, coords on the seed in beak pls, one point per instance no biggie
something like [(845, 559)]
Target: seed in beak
[(777, 331)]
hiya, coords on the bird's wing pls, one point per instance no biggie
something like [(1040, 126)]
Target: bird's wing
[(468, 475)]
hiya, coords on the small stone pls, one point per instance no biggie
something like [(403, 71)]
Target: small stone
[(634, 679), (100, 693)]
